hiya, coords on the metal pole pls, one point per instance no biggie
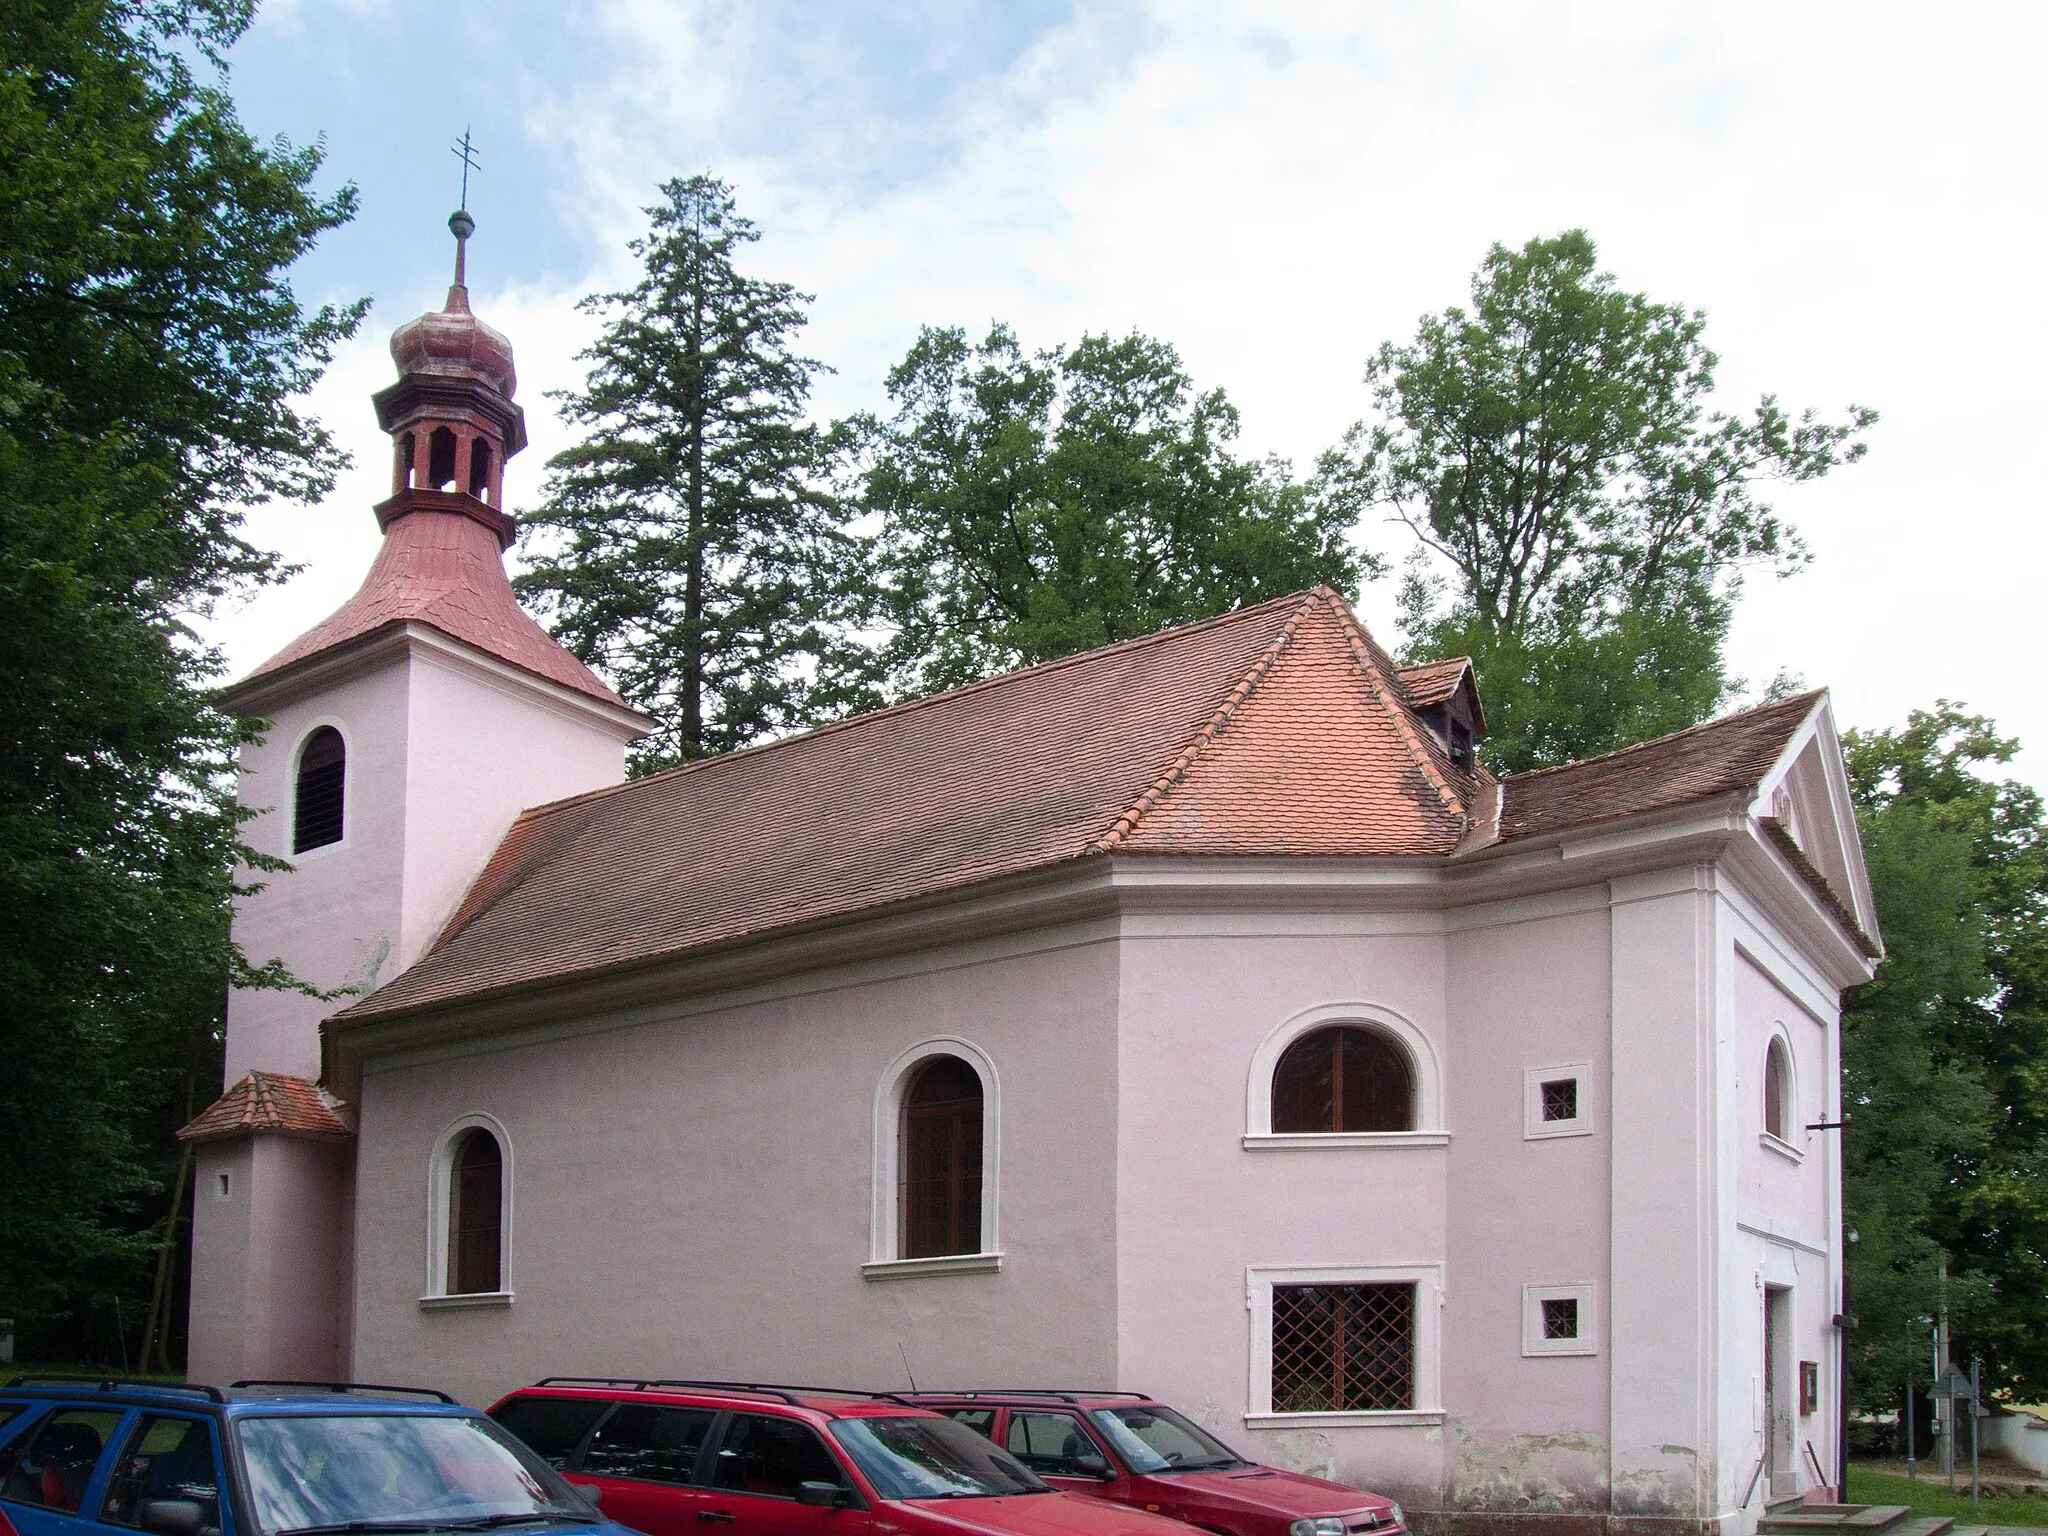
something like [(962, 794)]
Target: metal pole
[(1976, 1412), (1842, 1389), (1912, 1465), (1948, 1426)]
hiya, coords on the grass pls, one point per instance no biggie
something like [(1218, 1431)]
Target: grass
[(1930, 1496)]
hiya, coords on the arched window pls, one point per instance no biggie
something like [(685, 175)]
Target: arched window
[(317, 802), (1778, 1090), (476, 1213), (1343, 1078), (939, 1161)]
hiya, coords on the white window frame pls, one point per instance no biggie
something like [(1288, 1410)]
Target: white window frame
[(291, 792), (440, 1196), (1259, 1135), (1784, 1146), (1534, 1126), (1428, 1280), (1585, 1342), (885, 1261)]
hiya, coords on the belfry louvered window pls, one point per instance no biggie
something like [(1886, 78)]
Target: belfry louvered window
[(940, 1160), (318, 799), (1343, 1348)]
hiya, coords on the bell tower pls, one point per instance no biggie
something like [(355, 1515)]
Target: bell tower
[(402, 736), (450, 415)]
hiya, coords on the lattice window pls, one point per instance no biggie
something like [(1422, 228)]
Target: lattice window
[(1561, 1099), (1561, 1317), (1343, 1348)]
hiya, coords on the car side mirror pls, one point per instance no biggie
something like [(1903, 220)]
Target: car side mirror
[(592, 1494), (171, 1517), (1091, 1466), (822, 1495)]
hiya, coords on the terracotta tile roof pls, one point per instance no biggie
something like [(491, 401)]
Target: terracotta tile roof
[(1431, 682), (269, 1101), (1279, 729), (1722, 757), (442, 566)]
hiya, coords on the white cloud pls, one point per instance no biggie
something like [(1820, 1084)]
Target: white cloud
[(1276, 188)]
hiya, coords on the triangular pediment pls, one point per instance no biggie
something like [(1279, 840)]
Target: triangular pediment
[(1805, 796)]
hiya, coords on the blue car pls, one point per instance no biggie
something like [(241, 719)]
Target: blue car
[(121, 1458)]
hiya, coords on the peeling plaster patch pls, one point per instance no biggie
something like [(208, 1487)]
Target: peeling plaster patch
[(375, 964), (1560, 1473), (1305, 1450), (1668, 1486)]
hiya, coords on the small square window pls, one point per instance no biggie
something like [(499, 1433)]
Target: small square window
[(223, 1186), (1558, 1320), (1561, 1099), (1557, 1101)]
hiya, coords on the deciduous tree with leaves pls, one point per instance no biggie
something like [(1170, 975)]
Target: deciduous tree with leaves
[(1034, 505), (690, 545), (1945, 1056), (1556, 449), (151, 352)]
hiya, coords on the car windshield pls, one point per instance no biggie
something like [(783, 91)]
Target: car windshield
[(1156, 1439), (931, 1458), (396, 1472)]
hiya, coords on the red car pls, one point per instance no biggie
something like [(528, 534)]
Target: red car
[(673, 1458), (1125, 1447)]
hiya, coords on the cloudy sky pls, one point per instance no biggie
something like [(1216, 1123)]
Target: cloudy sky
[(1853, 193)]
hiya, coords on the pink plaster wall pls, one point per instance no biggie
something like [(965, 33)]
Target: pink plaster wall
[(271, 1261), (440, 761), (692, 1196), (1795, 1200), (1196, 1208), (337, 907), (1527, 1432)]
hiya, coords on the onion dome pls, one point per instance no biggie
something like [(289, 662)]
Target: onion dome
[(452, 342)]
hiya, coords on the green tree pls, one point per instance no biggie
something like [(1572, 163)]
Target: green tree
[(690, 545), (150, 354), (1555, 449), (1946, 1052), (1034, 506)]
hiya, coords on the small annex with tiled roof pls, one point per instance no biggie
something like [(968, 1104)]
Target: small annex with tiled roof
[(270, 1102)]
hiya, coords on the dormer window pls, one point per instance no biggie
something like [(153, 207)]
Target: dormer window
[(317, 804), (1461, 743)]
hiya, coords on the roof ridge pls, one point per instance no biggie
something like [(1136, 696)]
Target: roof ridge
[(848, 722), (1121, 829), (1361, 650), (1807, 698)]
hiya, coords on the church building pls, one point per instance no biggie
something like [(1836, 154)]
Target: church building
[(1195, 1015)]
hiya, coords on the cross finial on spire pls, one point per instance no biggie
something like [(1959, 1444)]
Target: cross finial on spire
[(459, 222), (466, 153)]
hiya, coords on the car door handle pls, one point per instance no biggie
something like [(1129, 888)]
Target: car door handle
[(716, 1516)]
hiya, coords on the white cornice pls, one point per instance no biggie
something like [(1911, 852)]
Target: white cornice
[(1094, 899), (264, 693)]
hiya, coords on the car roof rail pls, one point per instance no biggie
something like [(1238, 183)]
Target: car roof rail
[(789, 1394), (371, 1387), (119, 1384), (1058, 1394)]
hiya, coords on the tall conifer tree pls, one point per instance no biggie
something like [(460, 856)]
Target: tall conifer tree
[(690, 546)]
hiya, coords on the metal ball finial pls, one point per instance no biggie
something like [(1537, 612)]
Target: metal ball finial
[(461, 224)]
